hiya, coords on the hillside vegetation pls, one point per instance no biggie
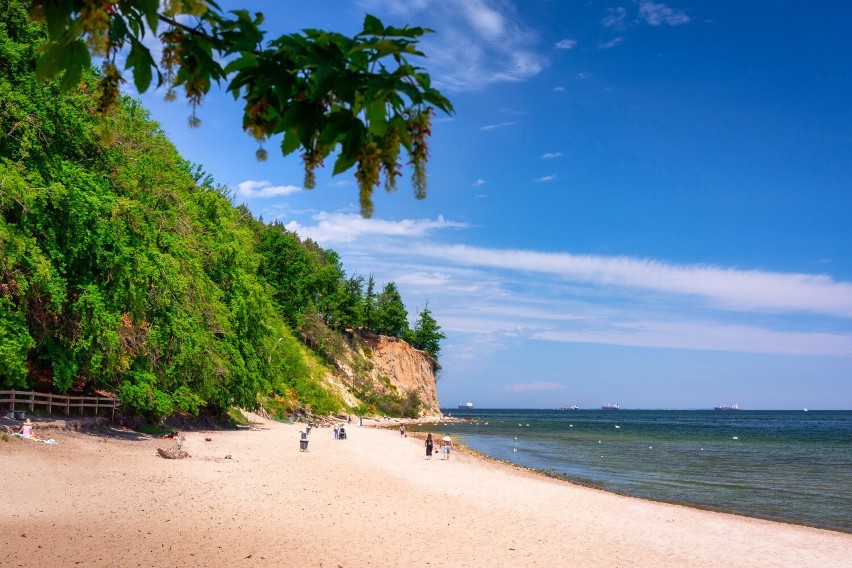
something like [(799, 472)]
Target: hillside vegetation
[(126, 269)]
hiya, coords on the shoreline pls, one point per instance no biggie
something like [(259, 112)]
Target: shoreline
[(563, 478), (373, 499)]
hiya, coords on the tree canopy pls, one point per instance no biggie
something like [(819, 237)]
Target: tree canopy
[(358, 97), (124, 268)]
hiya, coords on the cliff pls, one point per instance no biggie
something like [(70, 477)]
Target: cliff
[(387, 365)]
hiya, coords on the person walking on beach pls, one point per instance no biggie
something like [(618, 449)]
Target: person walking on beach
[(448, 445), (336, 430), (402, 429), (429, 446)]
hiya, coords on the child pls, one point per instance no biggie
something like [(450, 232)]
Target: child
[(26, 429)]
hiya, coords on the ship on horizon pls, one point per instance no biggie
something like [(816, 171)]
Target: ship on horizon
[(466, 406), (610, 407), (727, 407)]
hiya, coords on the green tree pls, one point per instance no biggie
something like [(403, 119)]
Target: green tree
[(351, 308), (370, 321), (324, 92), (427, 334), (391, 316), (287, 266)]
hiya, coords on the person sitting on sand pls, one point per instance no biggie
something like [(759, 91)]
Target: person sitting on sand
[(26, 429), (448, 446)]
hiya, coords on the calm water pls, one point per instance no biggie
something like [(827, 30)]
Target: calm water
[(783, 465)]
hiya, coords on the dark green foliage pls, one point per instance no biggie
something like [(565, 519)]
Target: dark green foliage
[(123, 268), (391, 317), (427, 334), (358, 97)]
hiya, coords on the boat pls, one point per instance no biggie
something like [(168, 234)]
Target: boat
[(572, 407), (610, 407), (727, 407), (466, 406)]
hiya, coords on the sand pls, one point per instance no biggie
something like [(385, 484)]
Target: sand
[(251, 498)]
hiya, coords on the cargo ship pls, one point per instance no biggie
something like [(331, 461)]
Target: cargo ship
[(466, 406), (610, 407), (727, 407)]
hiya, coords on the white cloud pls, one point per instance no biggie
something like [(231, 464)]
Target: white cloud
[(551, 155), (497, 125), (611, 43), (566, 44), (251, 188), (502, 297), (709, 336), (546, 178), (345, 227), (726, 288), (559, 89), (478, 42), (614, 18), (583, 75), (478, 183), (656, 14)]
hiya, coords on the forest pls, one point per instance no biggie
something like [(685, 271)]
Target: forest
[(125, 269)]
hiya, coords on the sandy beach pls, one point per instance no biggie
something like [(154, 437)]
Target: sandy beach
[(251, 498)]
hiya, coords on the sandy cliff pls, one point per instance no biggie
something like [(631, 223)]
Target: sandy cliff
[(389, 363)]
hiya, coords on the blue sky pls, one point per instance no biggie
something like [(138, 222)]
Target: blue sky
[(635, 202)]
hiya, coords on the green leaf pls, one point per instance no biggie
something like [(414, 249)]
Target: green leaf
[(141, 61), (373, 25), (49, 64), (75, 59), (375, 112), (58, 18), (344, 162), (290, 143), (244, 61), (149, 9)]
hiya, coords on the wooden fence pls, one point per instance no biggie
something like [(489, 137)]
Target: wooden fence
[(26, 399)]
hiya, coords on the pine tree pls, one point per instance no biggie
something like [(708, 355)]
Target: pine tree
[(427, 334), (391, 315)]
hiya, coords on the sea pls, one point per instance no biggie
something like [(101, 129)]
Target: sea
[(789, 466)]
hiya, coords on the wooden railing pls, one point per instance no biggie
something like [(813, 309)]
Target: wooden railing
[(27, 399)]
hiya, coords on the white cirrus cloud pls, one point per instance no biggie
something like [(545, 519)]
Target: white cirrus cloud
[(479, 42), (726, 288), (614, 17), (708, 336), (566, 44), (333, 228), (655, 14), (252, 188), (488, 127), (551, 155), (611, 43), (478, 183), (545, 179)]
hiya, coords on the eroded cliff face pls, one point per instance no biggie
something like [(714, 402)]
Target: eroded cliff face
[(392, 360), (406, 367)]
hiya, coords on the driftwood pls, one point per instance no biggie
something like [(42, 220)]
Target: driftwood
[(174, 453)]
